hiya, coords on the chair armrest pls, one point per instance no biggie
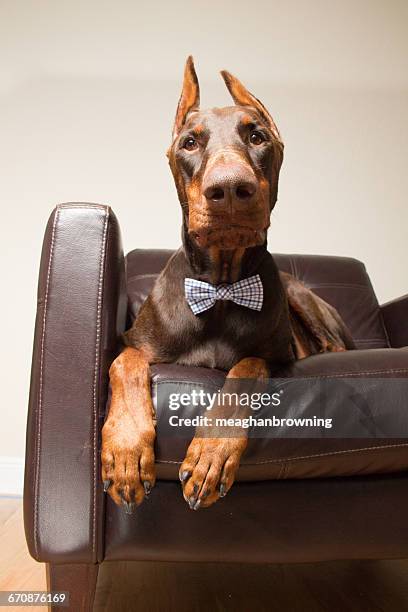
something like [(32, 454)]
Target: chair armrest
[(395, 317), (80, 315)]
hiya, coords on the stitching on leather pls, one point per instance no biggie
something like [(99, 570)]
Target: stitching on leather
[(317, 455), (355, 374), (185, 382), (334, 375), (362, 345), (40, 391), (73, 206), (369, 340), (381, 315), (330, 454), (96, 372)]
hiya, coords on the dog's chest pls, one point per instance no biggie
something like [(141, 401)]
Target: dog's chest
[(226, 336), (210, 353)]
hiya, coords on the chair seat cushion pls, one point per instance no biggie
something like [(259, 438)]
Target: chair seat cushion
[(371, 433)]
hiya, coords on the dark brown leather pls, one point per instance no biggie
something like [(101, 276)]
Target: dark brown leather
[(81, 311), (381, 448), (341, 281), (78, 580), (395, 316), (268, 522)]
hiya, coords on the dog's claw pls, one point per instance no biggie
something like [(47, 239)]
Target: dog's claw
[(106, 485), (184, 475), (212, 464), (192, 502), (147, 487), (197, 505), (129, 506)]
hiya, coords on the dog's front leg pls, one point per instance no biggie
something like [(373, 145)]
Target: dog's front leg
[(128, 434), (208, 471)]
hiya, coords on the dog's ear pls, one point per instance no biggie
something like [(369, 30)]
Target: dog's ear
[(242, 97), (190, 96)]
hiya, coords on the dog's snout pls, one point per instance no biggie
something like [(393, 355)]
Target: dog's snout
[(245, 191), (215, 192), (230, 182)]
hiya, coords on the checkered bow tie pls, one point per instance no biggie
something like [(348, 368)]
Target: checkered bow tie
[(201, 296)]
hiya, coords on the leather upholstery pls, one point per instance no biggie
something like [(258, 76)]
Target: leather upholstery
[(395, 316), (341, 281), (81, 311), (381, 449), (282, 521)]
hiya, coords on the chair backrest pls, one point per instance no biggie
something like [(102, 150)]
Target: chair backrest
[(341, 281)]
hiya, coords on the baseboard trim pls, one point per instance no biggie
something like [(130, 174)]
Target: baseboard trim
[(11, 475)]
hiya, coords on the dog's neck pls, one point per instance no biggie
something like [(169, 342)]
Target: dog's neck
[(215, 265)]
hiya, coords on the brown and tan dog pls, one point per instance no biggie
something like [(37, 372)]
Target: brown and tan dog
[(225, 163)]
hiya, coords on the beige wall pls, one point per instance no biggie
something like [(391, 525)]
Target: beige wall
[(87, 94)]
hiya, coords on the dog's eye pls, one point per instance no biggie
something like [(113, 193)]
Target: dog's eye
[(190, 144), (256, 138)]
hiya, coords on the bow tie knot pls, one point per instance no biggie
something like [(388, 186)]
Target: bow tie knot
[(224, 292), (202, 296)]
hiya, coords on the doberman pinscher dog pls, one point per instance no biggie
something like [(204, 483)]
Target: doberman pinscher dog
[(225, 163)]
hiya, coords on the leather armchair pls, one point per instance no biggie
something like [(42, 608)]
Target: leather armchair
[(295, 500)]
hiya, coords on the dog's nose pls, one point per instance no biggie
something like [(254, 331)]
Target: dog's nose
[(245, 191), (230, 182)]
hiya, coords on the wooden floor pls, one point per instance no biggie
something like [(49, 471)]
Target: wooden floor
[(375, 586)]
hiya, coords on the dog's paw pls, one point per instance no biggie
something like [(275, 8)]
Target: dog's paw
[(128, 470), (209, 469)]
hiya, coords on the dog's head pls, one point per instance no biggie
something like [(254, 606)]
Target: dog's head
[(225, 162)]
